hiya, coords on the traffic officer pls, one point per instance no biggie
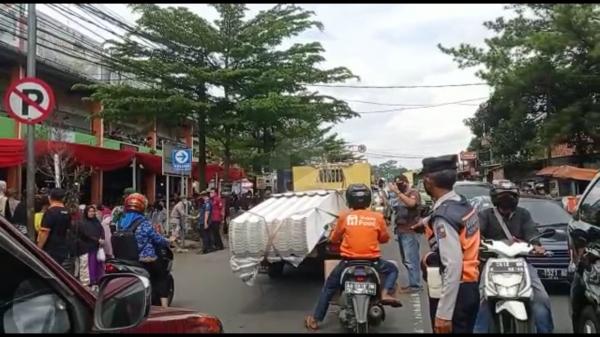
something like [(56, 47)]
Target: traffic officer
[(456, 228)]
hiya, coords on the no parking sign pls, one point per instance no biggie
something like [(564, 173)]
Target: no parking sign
[(29, 100)]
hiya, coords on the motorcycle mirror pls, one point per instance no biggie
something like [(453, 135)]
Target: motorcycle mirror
[(547, 233)]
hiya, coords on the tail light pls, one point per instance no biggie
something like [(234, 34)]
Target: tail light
[(110, 268), (204, 324), (360, 278)]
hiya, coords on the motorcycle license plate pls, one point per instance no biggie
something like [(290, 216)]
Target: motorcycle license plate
[(507, 267), (360, 288), (552, 273)]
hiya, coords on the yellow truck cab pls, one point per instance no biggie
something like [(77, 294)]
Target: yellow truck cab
[(331, 176)]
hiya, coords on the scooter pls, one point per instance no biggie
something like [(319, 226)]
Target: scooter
[(359, 301), (114, 266), (507, 284)]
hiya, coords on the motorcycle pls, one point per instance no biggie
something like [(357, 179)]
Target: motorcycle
[(507, 284), (359, 301), (115, 266)]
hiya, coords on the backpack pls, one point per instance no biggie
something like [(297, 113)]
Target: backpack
[(124, 244)]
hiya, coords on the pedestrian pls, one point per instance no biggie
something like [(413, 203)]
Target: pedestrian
[(56, 222), (3, 198), (42, 204), (90, 240), (217, 215), (203, 224), (117, 211), (17, 215), (11, 204), (406, 205), (456, 228), (107, 236), (179, 218), (158, 216)]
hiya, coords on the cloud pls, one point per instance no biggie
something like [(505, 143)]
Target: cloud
[(387, 44)]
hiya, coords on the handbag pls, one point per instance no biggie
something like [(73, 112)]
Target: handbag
[(101, 255)]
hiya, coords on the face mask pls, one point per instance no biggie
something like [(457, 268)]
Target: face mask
[(427, 187), (508, 203)]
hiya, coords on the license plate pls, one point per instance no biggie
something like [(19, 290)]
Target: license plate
[(552, 273), (360, 288), (507, 267)]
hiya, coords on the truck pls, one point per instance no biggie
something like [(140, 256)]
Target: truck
[(289, 228)]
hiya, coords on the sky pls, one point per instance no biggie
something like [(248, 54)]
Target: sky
[(395, 44)]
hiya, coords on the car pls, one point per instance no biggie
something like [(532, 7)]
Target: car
[(546, 213), (584, 243), (39, 296), (471, 189)]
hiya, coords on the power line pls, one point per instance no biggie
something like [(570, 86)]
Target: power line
[(420, 107), (383, 104), (395, 86)]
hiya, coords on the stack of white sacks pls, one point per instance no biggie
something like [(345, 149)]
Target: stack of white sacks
[(285, 227)]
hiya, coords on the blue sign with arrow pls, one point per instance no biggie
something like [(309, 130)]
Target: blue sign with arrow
[(182, 159)]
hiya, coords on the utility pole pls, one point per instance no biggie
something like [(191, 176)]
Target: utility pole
[(31, 54)]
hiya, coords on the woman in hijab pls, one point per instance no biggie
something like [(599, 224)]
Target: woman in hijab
[(90, 240)]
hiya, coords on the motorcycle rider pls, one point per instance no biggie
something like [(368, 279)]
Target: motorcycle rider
[(456, 229), (148, 242), (360, 231), (518, 222)]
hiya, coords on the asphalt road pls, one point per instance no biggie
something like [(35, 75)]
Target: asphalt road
[(206, 283)]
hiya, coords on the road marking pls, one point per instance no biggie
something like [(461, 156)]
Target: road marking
[(415, 300)]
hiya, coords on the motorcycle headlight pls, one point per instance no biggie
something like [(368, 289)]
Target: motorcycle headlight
[(507, 285)]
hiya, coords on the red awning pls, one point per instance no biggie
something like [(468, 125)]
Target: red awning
[(576, 173), (568, 172), (547, 171), (152, 163), (12, 153), (87, 155)]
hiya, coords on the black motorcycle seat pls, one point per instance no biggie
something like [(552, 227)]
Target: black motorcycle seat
[(360, 262)]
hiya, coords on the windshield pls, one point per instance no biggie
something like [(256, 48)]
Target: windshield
[(472, 191), (545, 212)]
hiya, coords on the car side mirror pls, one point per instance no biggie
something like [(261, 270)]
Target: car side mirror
[(123, 302)]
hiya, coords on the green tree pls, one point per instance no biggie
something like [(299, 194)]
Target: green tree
[(263, 95), (388, 170), (543, 67)]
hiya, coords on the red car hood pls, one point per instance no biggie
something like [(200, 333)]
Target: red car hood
[(178, 320)]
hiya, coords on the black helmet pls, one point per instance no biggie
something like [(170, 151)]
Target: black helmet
[(505, 195), (358, 196)]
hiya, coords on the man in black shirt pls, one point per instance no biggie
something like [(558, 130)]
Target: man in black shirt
[(56, 222), (507, 221)]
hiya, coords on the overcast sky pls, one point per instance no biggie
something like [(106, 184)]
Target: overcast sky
[(396, 44)]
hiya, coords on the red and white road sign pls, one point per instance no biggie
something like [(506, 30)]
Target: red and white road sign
[(29, 100)]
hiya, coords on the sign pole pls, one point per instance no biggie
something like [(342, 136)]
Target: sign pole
[(168, 213), (31, 53)]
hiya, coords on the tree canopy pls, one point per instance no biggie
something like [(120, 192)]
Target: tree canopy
[(544, 67), (243, 88)]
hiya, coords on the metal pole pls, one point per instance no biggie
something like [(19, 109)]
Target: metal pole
[(134, 174), (182, 223), (168, 213), (31, 53)]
